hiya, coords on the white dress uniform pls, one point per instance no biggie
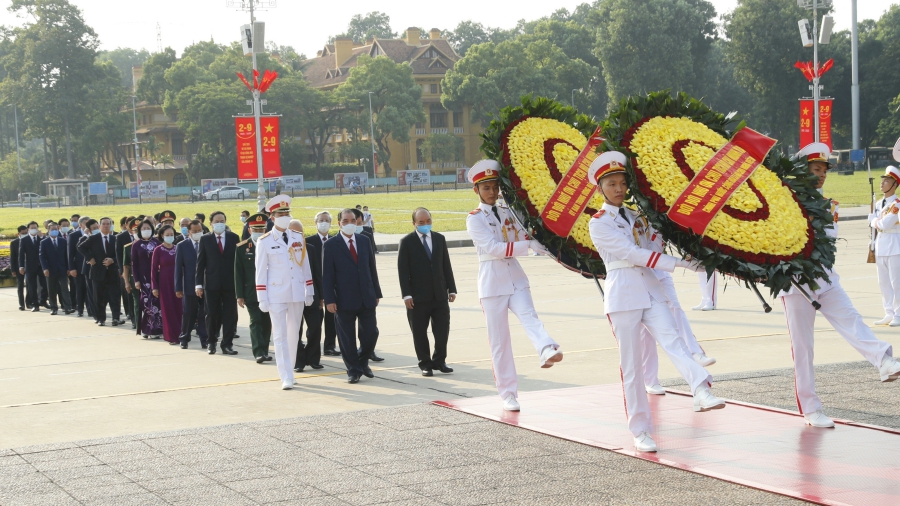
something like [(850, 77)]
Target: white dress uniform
[(840, 313), (884, 219), (503, 287), (284, 285)]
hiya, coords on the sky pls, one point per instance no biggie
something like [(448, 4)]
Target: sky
[(307, 25)]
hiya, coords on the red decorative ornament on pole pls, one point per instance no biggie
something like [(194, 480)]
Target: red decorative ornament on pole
[(246, 135)]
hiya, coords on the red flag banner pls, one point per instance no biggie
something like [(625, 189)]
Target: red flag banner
[(246, 147), (573, 192), (271, 146), (825, 108), (705, 195), (807, 120)]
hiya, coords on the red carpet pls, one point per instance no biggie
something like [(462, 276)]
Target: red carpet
[(764, 448)]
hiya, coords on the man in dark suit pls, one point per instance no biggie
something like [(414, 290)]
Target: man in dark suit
[(14, 264), (427, 285), (317, 241), (54, 262), (77, 269), (351, 292), (124, 238), (30, 267), (215, 283), (185, 269), (311, 353), (99, 250)]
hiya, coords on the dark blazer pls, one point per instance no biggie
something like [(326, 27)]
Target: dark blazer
[(55, 258), (29, 254), (122, 239), (215, 271), (315, 241), (85, 268), (14, 256), (352, 285), (185, 267), (423, 279), (92, 248), (315, 265), (76, 260)]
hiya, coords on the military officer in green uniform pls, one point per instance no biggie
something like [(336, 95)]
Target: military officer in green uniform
[(245, 288)]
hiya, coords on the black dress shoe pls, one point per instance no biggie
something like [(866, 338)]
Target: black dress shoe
[(260, 360), (367, 372), (329, 353), (317, 366), (69, 311), (81, 314), (101, 324), (427, 372), (267, 358), (184, 346), (54, 312), (236, 336), (299, 369), (115, 323), (375, 358), (36, 309), (228, 351), (173, 343), (46, 305), (354, 378), (133, 325), (21, 308), (212, 349), (444, 369)]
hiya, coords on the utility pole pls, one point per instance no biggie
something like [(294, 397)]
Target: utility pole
[(816, 67), (137, 150), (16, 119), (854, 74), (372, 138)]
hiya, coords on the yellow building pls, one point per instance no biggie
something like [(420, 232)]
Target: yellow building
[(430, 58)]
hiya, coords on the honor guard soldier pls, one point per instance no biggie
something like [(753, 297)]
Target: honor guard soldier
[(884, 219), (284, 284), (502, 284), (245, 288), (836, 308), (635, 299)]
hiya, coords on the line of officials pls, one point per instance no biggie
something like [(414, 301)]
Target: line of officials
[(84, 264)]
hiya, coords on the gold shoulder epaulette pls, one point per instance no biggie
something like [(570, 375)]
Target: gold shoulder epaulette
[(129, 244), (243, 242), (267, 234)]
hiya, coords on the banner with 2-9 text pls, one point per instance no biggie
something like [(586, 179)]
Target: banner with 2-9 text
[(246, 147)]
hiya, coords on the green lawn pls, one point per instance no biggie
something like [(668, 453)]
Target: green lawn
[(392, 211), (851, 190)]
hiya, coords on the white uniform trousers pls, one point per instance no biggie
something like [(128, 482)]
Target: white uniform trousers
[(709, 288), (650, 358), (889, 280), (683, 326), (846, 320), (497, 316), (286, 319), (626, 327)]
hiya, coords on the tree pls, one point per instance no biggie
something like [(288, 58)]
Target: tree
[(879, 78), (125, 58), (374, 24), (653, 45), (443, 147), (205, 116), (152, 86), (396, 99), (469, 33)]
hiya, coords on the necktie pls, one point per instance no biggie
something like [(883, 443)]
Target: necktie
[(494, 208), (624, 215), (883, 202), (221, 248), (106, 244), (196, 247), (353, 252), (284, 236), (54, 243), (425, 243)]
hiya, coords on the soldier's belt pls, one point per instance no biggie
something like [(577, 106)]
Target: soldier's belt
[(892, 231), (488, 258), (619, 264)]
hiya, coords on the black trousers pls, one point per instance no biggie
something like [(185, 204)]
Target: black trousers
[(345, 322), (311, 352), (20, 288), (370, 233), (330, 332), (127, 299), (59, 287), (73, 295), (221, 315), (437, 313), (194, 314), (35, 288), (87, 294), (106, 292)]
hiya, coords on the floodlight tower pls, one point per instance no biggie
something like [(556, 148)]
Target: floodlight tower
[(814, 39), (253, 41)]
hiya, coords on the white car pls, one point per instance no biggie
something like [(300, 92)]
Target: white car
[(29, 197), (227, 192)]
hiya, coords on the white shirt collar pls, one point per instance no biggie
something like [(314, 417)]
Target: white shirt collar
[(421, 235)]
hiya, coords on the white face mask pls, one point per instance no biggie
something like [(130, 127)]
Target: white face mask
[(64, 230), (349, 229), (323, 227), (146, 233), (218, 228), (32, 231), (359, 229), (282, 222), (255, 236), (170, 239), (196, 236), (243, 219)]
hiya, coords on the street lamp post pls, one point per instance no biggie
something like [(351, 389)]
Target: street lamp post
[(372, 137), (16, 119), (854, 75), (137, 150)]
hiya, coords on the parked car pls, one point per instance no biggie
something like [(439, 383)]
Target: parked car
[(227, 192), (26, 197)]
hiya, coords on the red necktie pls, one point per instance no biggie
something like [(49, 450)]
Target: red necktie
[(221, 249), (353, 252)]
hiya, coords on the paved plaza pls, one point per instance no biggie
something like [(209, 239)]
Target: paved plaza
[(100, 416)]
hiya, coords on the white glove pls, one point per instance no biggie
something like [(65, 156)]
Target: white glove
[(309, 300), (538, 247), (264, 306), (690, 265)]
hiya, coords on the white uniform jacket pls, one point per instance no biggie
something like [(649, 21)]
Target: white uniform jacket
[(824, 286), (282, 270), (885, 220), (629, 266), (497, 244)]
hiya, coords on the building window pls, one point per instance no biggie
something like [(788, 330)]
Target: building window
[(439, 119), (457, 119), (178, 145), (420, 157), (431, 53), (435, 88), (179, 180)]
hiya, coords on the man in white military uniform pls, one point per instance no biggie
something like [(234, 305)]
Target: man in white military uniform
[(502, 284), (635, 300), (836, 308), (284, 284), (884, 219)]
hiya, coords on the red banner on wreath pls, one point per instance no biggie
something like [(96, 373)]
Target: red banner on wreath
[(246, 147), (573, 192), (705, 195), (807, 118)]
